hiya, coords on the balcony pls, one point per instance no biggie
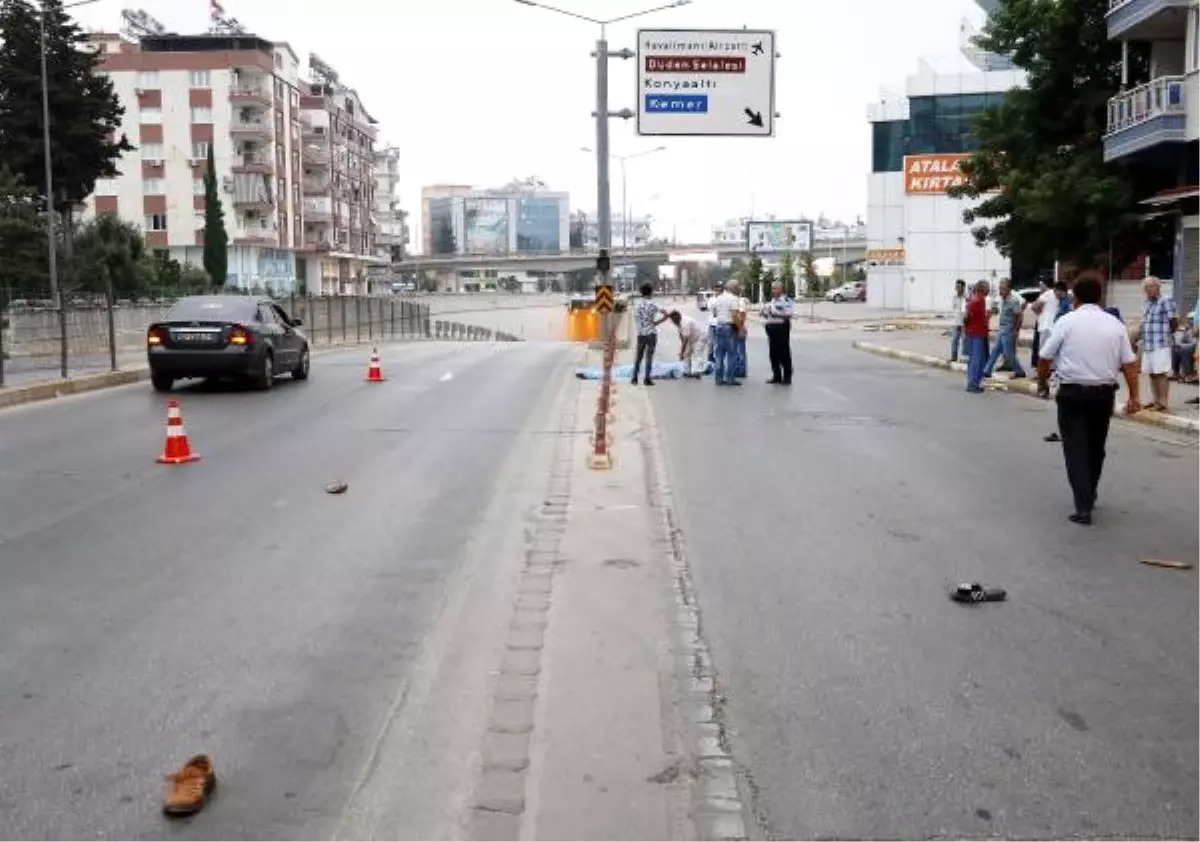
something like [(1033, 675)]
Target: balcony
[(318, 210), (315, 156), (250, 127), (316, 186), (250, 95), (311, 131), (252, 164), (1146, 116), (1147, 20)]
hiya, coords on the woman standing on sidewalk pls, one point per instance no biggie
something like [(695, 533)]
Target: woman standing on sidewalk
[(975, 328)]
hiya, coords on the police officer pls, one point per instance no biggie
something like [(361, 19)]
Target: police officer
[(777, 314), (1090, 349)]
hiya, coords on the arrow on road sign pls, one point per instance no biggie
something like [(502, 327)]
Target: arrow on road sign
[(755, 118), (757, 48), (604, 299)]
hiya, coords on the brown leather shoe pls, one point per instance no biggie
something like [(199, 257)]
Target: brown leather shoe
[(188, 789)]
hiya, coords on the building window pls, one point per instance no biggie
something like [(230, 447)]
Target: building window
[(154, 187), (156, 222), (150, 115), (538, 224), (197, 187), (198, 221), (147, 79), (105, 187), (201, 114), (200, 150), (152, 152), (887, 146), (201, 79)]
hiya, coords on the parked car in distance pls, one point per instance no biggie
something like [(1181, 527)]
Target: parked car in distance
[(235, 336), (853, 291), (1029, 294)]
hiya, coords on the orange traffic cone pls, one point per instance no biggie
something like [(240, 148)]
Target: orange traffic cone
[(374, 370), (176, 451)]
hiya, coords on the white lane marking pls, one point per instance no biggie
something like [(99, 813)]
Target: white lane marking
[(833, 394), (447, 376)]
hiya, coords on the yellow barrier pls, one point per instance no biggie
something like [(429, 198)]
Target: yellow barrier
[(583, 325)]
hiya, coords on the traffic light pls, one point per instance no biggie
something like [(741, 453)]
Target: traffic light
[(603, 264)]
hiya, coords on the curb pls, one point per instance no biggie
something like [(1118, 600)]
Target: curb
[(1147, 416)]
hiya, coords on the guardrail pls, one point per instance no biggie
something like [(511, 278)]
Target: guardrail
[(1156, 98)]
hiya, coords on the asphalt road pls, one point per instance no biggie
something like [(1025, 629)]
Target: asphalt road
[(231, 606), (825, 524)]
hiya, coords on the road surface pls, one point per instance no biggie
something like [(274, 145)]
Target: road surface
[(231, 606), (824, 525)]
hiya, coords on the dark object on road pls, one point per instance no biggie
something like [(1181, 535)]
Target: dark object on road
[(975, 592), (1052, 437), (1162, 562), (189, 789), (336, 487), (239, 336)]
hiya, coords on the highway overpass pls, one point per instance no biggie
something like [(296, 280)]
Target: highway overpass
[(852, 251)]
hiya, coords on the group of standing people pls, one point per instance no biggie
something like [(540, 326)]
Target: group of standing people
[(723, 344), (1088, 349)]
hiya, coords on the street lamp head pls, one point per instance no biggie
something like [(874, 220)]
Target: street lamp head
[(526, 2)]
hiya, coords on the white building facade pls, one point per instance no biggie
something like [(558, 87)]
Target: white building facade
[(917, 242), (516, 219), (391, 222)]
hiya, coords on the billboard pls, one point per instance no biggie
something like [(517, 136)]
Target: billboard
[(932, 175), (779, 236), (486, 226)]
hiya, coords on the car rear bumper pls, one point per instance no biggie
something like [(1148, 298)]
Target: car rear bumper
[(224, 362)]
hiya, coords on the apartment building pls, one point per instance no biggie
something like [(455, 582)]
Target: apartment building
[(391, 222), (338, 187), (238, 95), (1154, 123)]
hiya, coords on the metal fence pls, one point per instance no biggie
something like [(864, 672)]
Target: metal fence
[(89, 335)]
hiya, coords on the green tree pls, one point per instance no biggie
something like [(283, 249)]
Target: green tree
[(764, 287), (750, 275), (108, 254), (808, 271), (1047, 192), (85, 113), (23, 271), (193, 279), (787, 274), (216, 238)]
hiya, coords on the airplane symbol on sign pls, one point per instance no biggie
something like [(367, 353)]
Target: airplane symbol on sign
[(757, 48)]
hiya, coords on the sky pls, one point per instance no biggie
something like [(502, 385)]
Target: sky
[(483, 91)]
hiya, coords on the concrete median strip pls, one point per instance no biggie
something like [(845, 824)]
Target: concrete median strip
[(1025, 387)]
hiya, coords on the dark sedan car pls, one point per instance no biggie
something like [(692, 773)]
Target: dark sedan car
[(236, 336)]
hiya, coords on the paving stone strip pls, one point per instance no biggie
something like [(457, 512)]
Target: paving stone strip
[(499, 801)]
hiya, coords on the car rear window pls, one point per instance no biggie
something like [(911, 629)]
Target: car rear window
[(212, 309)]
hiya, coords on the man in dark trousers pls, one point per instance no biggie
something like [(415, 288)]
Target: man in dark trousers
[(1090, 349), (647, 316), (777, 314)]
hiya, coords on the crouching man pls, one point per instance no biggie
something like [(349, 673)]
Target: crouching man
[(693, 342)]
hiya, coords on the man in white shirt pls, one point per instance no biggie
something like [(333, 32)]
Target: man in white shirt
[(1090, 349), (1044, 308), (724, 309), (693, 340), (958, 309)]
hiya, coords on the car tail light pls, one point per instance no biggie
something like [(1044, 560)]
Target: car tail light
[(154, 336), (239, 336)]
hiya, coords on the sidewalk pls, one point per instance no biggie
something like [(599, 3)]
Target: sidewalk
[(930, 349)]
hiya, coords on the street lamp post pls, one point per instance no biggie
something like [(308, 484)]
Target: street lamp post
[(621, 159), (602, 54), (51, 234)]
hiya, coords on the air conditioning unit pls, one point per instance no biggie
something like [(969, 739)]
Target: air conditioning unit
[(139, 91)]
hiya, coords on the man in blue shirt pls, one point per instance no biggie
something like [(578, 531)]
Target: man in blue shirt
[(777, 314)]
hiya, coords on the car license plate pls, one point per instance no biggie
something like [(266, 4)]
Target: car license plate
[(196, 337)]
